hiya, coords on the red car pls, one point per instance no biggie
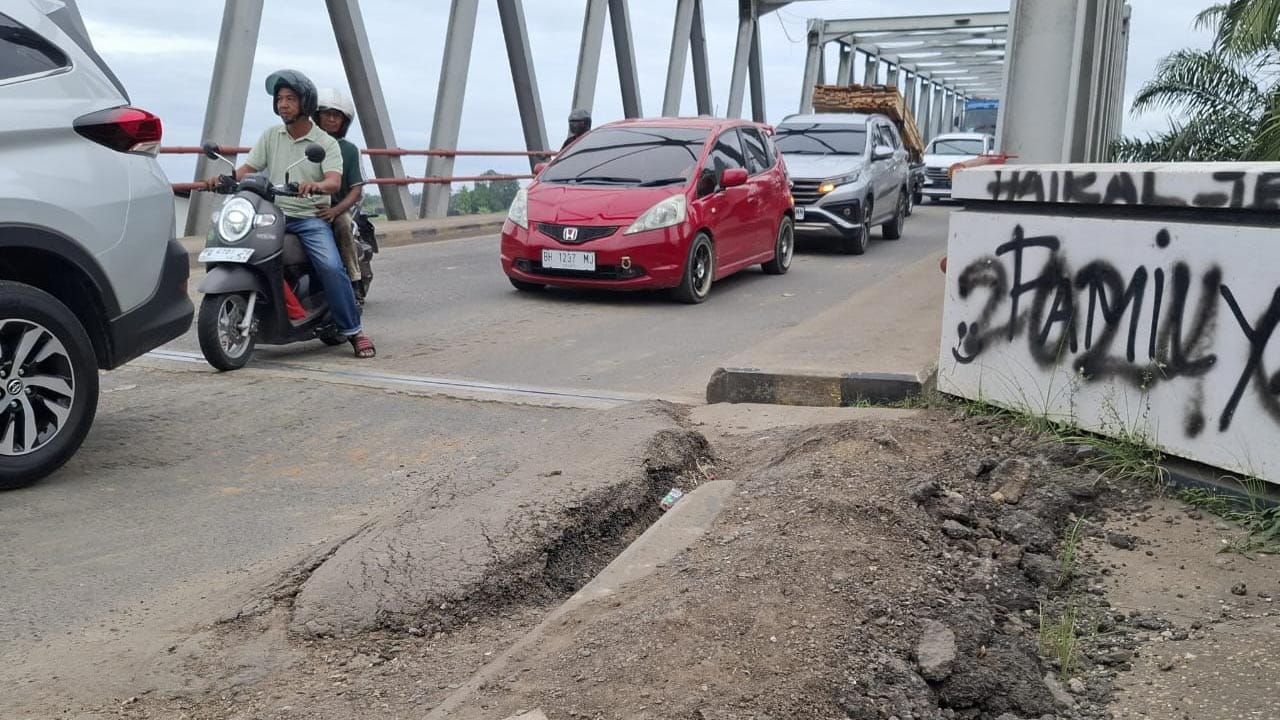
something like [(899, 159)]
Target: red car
[(662, 203)]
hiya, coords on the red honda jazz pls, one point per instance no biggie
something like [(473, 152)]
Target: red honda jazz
[(662, 203)]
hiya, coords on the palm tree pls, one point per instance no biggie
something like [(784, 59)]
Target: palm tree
[(1230, 96), (1243, 24)]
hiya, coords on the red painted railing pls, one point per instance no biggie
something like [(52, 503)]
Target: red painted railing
[(384, 152)]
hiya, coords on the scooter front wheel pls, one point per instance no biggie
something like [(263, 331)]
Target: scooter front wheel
[(223, 343)]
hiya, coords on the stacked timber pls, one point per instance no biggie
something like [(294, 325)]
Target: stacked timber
[(881, 99)]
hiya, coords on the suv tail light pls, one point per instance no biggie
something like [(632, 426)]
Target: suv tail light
[(124, 129)]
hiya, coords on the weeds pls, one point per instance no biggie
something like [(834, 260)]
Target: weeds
[(1067, 556), (1059, 640), (1260, 522)]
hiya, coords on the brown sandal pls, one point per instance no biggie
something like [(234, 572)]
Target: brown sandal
[(363, 346)]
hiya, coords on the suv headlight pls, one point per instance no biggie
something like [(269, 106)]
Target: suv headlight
[(668, 213), (519, 212), (236, 220), (833, 183)]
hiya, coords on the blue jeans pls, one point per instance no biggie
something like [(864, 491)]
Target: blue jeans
[(317, 240)]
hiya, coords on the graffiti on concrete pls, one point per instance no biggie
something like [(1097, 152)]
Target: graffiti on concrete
[(1151, 326), (1229, 189)]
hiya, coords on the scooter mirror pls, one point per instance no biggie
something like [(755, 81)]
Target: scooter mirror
[(315, 153), (210, 150)]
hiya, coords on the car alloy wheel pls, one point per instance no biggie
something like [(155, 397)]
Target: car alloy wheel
[(37, 387)]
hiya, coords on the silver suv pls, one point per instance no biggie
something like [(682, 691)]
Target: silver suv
[(849, 172), (90, 273)]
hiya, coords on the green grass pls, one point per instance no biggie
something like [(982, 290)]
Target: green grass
[(1260, 522), (1059, 639), (1067, 555)]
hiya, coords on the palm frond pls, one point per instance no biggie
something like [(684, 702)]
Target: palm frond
[(1200, 82)]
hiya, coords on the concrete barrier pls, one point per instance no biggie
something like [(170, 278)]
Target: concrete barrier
[(408, 232), (1136, 301), (750, 385)]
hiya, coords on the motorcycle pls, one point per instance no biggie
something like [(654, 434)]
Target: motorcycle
[(367, 241), (253, 266)]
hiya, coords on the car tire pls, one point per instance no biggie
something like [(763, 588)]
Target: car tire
[(217, 313), (911, 204), (784, 247), (61, 356), (917, 198), (855, 243), (892, 230), (523, 286), (699, 271)]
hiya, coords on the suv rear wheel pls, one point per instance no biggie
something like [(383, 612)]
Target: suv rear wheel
[(48, 384)]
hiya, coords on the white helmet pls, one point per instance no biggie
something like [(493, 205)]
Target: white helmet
[(332, 99)]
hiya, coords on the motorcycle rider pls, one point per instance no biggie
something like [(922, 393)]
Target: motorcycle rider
[(334, 114), (279, 147), (579, 124)]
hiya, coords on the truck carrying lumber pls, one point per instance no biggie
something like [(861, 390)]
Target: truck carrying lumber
[(882, 99)]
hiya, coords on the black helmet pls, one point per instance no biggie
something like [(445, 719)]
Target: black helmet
[(579, 122), (296, 82)]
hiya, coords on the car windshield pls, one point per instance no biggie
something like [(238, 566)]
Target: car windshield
[(629, 156), (958, 146), (815, 139)]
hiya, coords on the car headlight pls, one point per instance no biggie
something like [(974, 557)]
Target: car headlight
[(833, 183), (668, 213), (519, 212), (236, 220)]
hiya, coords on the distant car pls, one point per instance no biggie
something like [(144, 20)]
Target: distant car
[(90, 273), (849, 172), (947, 150), (661, 203)]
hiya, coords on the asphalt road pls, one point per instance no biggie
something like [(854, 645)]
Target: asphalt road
[(195, 490), (446, 310)]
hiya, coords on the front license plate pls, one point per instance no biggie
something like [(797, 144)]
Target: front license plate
[(222, 254), (569, 260), (799, 214)]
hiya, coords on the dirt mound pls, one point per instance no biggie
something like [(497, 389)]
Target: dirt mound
[(538, 533), (840, 581)]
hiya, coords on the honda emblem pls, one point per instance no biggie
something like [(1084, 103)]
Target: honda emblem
[(570, 234)]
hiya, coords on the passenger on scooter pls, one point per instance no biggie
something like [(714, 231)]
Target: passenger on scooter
[(334, 115), (278, 148)]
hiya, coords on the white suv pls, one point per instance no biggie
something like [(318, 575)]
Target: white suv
[(947, 150), (90, 273)]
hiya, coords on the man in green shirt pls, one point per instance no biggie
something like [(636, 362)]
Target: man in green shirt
[(334, 115), (276, 150)]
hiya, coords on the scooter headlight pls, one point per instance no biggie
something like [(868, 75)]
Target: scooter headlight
[(236, 220)]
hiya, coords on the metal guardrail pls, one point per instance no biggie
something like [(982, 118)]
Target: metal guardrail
[(384, 152)]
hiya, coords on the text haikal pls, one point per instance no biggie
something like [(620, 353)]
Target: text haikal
[(1231, 189), (1091, 318)]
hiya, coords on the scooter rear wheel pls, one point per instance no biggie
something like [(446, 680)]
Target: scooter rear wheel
[(217, 328)]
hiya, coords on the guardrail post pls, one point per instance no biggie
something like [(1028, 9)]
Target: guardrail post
[(228, 99)]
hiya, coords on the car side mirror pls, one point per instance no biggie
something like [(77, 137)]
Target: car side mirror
[(733, 177), (210, 150), (315, 153), (882, 152), (537, 169)]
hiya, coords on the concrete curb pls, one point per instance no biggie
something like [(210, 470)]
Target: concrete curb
[(400, 234), (750, 385)]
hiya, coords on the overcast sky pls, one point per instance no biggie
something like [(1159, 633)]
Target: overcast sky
[(164, 53)]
